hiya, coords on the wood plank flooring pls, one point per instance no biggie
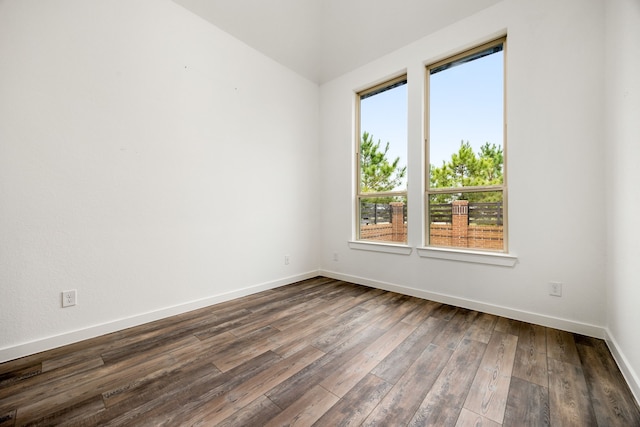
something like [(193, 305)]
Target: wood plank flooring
[(326, 353)]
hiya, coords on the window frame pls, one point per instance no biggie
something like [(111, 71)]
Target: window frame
[(471, 189), (359, 195)]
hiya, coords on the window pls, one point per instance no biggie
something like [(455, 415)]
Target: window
[(466, 182), (381, 156)]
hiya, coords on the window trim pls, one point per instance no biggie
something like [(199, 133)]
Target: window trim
[(360, 95), (432, 251), (384, 247), (472, 256)]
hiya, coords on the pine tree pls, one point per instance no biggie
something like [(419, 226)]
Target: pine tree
[(468, 169), (377, 174)]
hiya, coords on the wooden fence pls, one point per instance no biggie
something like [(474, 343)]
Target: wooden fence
[(476, 225), (378, 213), (480, 213)]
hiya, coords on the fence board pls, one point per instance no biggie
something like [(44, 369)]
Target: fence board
[(480, 213), (375, 213), (485, 213), (440, 212)]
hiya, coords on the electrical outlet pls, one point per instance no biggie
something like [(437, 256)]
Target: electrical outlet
[(286, 260), (69, 298), (335, 256), (555, 289)]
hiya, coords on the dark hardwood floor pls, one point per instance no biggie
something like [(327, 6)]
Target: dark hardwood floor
[(327, 353)]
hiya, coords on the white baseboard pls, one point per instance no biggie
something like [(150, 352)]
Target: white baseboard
[(525, 316), (32, 347), (25, 349), (630, 375)]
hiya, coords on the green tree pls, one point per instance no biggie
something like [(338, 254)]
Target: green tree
[(377, 173), (469, 169)]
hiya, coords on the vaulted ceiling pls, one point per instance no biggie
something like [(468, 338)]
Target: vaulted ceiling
[(322, 39)]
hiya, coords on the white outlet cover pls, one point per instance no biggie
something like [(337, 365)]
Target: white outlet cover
[(555, 289), (69, 298)]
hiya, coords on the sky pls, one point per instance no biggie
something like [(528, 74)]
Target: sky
[(466, 103), (385, 117)]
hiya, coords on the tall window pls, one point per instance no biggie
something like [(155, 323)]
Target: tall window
[(381, 193), (466, 183)]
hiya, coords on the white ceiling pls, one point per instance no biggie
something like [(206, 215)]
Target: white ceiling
[(322, 39)]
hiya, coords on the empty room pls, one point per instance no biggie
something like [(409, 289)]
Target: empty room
[(319, 212)]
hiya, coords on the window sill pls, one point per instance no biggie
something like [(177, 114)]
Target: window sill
[(388, 248), (491, 258)]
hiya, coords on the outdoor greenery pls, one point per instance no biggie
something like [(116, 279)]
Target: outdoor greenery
[(465, 168), (377, 173), (469, 169)]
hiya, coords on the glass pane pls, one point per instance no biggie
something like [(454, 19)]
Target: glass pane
[(467, 220), (383, 219), (383, 140), (466, 122)]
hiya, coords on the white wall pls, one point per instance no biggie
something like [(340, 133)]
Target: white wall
[(147, 160), (622, 139), (555, 94)]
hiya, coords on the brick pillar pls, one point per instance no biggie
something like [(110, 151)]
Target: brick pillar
[(460, 223), (397, 221)]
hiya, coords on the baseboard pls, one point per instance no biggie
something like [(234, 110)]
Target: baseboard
[(525, 316), (630, 375), (37, 346)]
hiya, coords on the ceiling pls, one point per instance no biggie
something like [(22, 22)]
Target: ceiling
[(323, 39)]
